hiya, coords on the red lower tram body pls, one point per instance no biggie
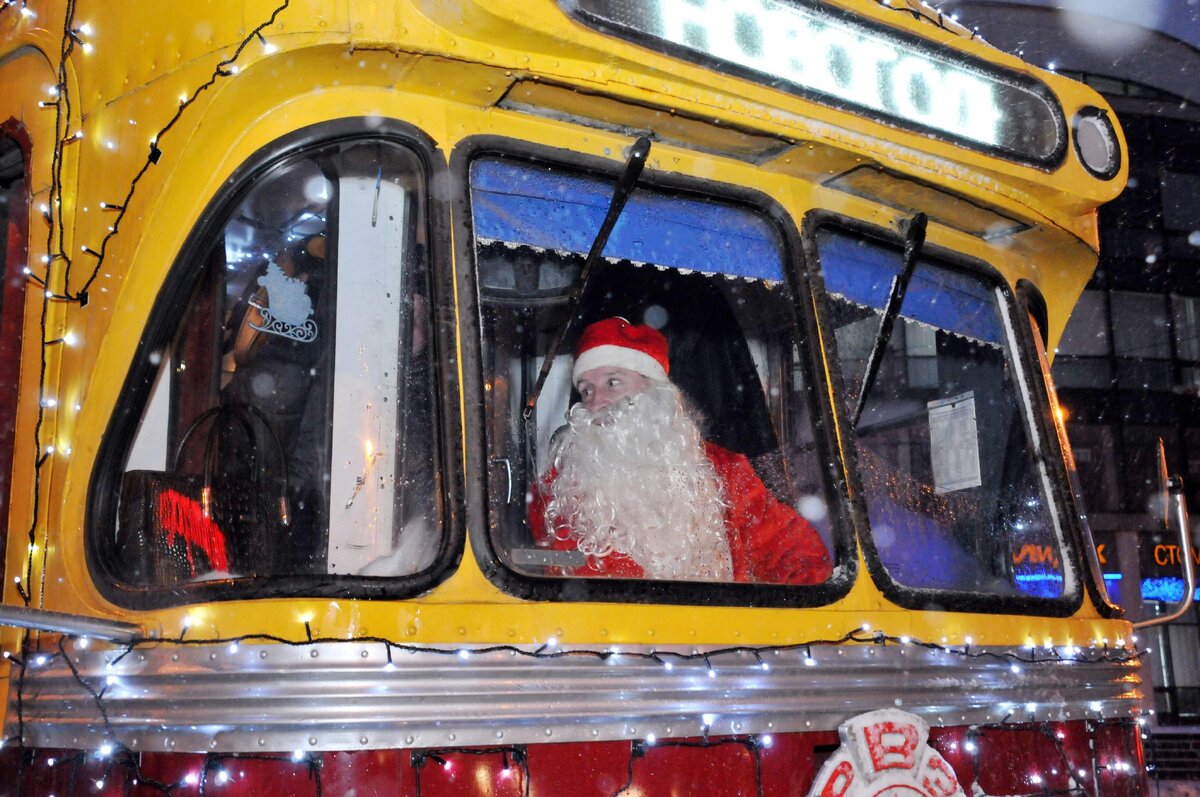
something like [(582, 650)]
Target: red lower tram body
[(1083, 757)]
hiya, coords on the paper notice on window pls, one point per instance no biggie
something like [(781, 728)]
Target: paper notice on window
[(954, 443)]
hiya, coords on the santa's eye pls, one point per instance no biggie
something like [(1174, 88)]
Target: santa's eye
[(614, 382), (585, 391)]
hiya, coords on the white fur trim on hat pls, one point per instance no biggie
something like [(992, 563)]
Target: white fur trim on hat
[(619, 357)]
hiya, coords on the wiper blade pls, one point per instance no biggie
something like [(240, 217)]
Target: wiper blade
[(633, 169), (914, 239)]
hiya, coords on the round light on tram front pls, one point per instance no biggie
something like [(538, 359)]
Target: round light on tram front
[(1096, 143)]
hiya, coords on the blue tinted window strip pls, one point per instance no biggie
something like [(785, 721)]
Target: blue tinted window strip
[(525, 204), (861, 272)]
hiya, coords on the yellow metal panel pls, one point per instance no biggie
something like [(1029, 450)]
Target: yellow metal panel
[(442, 67)]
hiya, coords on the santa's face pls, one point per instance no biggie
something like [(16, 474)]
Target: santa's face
[(600, 387), (633, 478)]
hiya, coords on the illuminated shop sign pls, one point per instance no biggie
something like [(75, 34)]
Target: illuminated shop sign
[(831, 57)]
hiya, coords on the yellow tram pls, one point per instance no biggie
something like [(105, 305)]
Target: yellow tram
[(293, 295)]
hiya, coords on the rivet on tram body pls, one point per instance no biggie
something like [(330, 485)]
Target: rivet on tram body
[(549, 731), (212, 745), (451, 737), (408, 740), (363, 654), (312, 740), (595, 731), (362, 740), (737, 726), (171, 743), (262, 742), (499, 734), (262, 654), (313, 653), (212, 656), (174, 657)]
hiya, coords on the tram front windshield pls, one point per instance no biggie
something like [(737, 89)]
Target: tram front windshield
[(957, 492), (711, 474), (290, 429)]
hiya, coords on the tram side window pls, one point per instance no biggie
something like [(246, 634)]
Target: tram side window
[(14, 255), (289, 430), (957, 495), (706, 470)]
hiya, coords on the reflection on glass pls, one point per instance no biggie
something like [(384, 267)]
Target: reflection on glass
[(955, 495), (289, 431)]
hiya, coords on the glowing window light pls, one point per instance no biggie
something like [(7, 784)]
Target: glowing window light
[(803, 46)]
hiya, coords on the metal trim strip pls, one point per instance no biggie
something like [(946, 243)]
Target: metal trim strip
[(353, 695)]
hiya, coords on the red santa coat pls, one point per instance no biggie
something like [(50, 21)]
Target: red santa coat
[(768, 541)]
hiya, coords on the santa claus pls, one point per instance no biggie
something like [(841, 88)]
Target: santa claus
[(634, 486)]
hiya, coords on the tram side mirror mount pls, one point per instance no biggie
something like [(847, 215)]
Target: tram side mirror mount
[(1175, 512)]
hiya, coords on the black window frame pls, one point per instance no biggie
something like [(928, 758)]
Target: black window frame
[(568, 589), (1051, 455), (181, 278), (1030, 299)]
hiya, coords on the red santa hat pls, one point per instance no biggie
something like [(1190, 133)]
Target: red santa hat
[(616, 342)]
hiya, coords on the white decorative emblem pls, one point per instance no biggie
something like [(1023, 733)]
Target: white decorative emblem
[(289, 306), (885, 754)]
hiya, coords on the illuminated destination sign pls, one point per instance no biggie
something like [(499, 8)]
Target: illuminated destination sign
[(831, 57)]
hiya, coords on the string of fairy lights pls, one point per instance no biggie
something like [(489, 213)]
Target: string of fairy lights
[(58, 265), (120, 757), (76, 36)]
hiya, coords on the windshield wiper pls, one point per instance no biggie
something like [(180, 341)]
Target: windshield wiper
[(914, 239), (633, 169)]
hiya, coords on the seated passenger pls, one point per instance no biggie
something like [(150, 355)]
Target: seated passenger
[(634, 486)]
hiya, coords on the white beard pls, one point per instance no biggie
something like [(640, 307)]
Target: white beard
[(634, 479)]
